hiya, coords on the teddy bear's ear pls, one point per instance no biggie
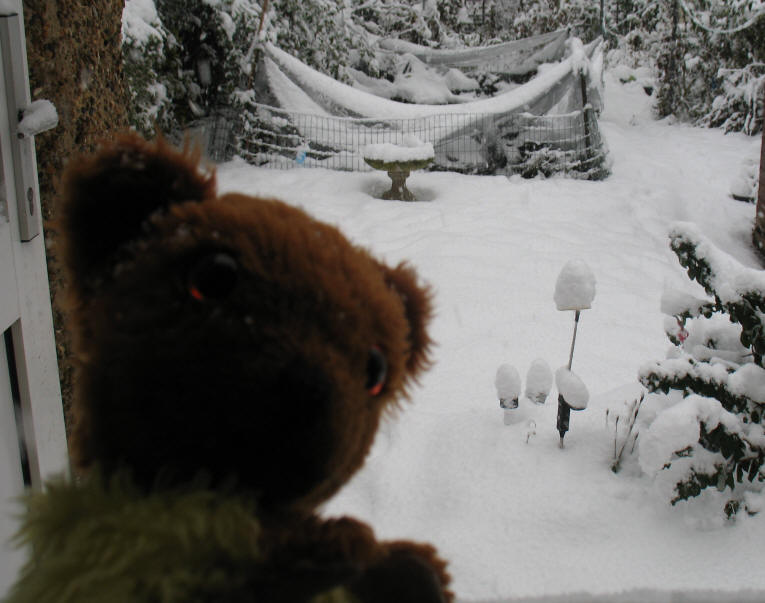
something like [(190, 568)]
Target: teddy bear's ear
[(417, 302), (108, 196)]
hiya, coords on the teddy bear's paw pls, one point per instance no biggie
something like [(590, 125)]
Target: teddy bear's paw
[(407, 573), (332, 541)]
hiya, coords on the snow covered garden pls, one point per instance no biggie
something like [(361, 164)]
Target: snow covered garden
[(518, 517), (625, 464)]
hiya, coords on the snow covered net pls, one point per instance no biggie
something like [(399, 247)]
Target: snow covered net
[(549, 125), (473, 143), (516, 57)]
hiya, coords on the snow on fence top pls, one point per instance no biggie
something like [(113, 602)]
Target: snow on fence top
[(517, 57), (358, 103)]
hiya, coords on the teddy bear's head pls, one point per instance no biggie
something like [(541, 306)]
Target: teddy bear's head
[(231, 336)]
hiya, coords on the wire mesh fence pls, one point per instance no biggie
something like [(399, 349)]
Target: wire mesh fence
[(515, 143)]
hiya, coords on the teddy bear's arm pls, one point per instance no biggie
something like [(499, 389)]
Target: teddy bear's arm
[(345, 550), (407, 572)]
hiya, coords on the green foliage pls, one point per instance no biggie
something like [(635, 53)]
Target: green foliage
[(746, 309), (318, 33), (736, 441), (194, 60)]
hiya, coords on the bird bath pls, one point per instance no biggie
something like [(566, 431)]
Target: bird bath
[(399, 161)]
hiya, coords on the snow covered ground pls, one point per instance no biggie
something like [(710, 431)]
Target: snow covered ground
[(516, 516)]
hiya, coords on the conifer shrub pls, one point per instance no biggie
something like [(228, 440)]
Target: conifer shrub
[(707, 440)]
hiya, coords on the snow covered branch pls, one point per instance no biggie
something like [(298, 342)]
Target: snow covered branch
[(746, 25)]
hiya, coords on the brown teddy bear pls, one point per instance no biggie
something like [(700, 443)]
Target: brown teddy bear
[(234, 359)]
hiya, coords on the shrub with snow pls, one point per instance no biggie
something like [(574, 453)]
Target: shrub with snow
[(711, 443)]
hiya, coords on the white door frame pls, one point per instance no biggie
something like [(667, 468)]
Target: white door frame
[(26, 322)]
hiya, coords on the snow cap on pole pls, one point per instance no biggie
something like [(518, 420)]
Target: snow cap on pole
[(575, 287), (508, 384), (539, 381)]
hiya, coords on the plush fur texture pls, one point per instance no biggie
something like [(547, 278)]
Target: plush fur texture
[(236, 342), (100, 542)]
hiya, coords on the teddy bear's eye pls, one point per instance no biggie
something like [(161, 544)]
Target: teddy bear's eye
[(213, 277), (377, 371)]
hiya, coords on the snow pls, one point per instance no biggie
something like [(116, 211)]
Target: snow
[(675, 302), (675, 429), (416, 83), (140, 22), (729, 279), (539, 380), (744, 186), (457, 81), (40, 116), (359, 102), (575, 287), (749, 381), (411, 149), (572, 388), (9, 7), (517, 517)]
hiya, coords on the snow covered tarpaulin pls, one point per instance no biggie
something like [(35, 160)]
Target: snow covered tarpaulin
[(516, 57), (546, 126)]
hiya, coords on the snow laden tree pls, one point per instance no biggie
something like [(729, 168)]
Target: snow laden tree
[(707, 439), (184, 60), (144, 46), (711, 63), (321, 33)]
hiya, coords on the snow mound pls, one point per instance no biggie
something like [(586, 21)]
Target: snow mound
[(416, 83), (676, 303), (39, 117), (748, 381), (572, 388)]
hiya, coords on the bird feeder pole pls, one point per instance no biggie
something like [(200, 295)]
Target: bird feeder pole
[(574, 290), (564, 410), (573, 340)]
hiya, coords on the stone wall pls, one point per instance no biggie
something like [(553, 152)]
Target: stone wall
[(73, 50)]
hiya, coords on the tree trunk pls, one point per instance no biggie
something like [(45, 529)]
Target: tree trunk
[(75, 61)]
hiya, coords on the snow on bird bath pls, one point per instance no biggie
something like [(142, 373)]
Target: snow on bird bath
[(575, 287), (572, 388), (412, 149)]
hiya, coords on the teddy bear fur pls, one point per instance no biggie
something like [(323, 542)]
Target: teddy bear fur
[(234, 359)]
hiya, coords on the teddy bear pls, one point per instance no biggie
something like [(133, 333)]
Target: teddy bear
[(234, 357)]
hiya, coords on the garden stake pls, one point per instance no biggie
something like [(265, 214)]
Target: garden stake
[(564, 410)]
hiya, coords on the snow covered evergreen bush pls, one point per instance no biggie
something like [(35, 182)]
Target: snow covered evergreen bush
[(184, 60), (144, 47), (708, 440), (711, 66)]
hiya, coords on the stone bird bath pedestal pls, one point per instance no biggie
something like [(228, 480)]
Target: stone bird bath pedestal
[(399, 161)]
